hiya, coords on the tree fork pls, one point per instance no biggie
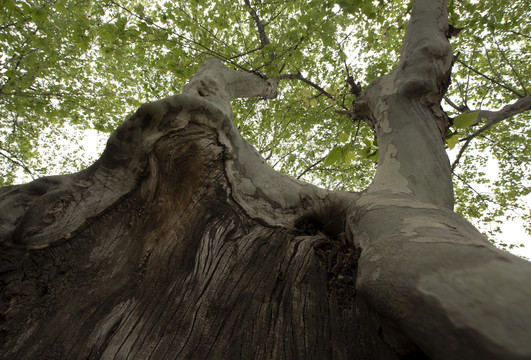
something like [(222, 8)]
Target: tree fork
[(181, 242)]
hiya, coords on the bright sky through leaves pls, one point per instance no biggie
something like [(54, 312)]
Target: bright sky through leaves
[(90, 64)]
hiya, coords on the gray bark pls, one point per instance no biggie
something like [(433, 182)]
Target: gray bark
[(181, 242)]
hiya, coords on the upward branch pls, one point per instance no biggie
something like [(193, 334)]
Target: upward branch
[(404, 109), (215, 79), (264, 40), (494, 81)]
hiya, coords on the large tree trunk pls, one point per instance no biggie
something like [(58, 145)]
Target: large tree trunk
[(181, 242)]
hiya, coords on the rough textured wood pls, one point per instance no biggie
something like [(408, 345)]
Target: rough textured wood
[(177, 270)]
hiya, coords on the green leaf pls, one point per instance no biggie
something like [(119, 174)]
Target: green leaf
[(139, 10), (349, 157), (344, 137), (373, 156), (465, 120), (451, 141), (364, 152), (334, 156)]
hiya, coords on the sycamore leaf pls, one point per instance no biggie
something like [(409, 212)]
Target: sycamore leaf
[(344, 137), (349, 157), (333, 156), (465, 120), (452, 140), (364, 152)]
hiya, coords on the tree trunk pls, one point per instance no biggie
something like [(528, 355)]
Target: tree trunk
[(181, 242)]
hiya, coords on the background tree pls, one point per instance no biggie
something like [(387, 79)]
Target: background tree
[(182, 241)]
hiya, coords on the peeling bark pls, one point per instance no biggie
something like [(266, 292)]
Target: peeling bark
[(181, 242)]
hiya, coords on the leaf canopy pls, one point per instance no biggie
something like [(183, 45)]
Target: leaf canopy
[(85, 65)]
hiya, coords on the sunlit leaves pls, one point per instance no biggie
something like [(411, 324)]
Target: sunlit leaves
[(334, 156), (452, 140), (465, 120), (91, 63)]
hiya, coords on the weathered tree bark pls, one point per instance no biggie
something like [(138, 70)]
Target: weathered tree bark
[(181, 242)]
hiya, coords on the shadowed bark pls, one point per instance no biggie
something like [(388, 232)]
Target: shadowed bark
[(182, 242)]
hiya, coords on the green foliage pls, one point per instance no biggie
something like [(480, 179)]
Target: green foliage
[(465, 120), (492, 70), (88, 64)]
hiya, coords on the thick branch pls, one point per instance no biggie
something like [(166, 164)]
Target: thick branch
[(42, 213), (215, 79), (492, 118), (433, 274), (405, 111)]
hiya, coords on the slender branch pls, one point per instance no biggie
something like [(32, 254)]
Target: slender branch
[(485, 201), (519, 33), (294, 47), (15, 161), (245, 53), (311, 167), (353, 142), (491, 79), (201, 25), (299, 76), (513, 69), (492, 68), (460, 154), (282, 158), (264, 40), (3, 27), (461, 108), (198, 44), (509, 152)]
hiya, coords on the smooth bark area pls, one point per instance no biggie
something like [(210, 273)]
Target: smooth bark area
[(182, 242)]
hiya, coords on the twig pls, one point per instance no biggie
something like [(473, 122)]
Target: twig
[(16, 161), (461, 108), (299, 76), (311, 167), (491, 79)]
